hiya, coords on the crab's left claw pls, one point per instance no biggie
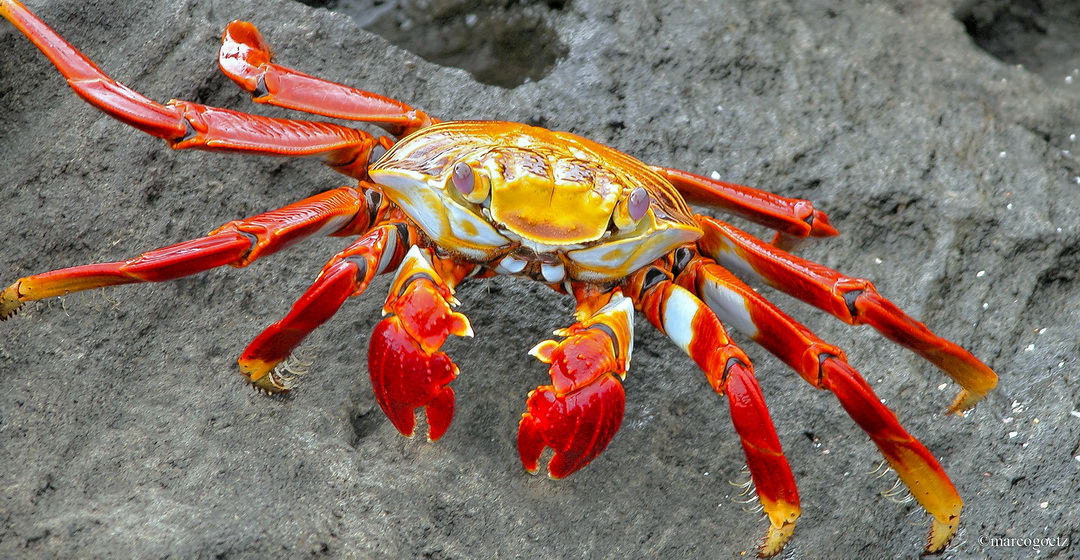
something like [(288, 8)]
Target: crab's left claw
[(578, 425), (579, 413), (407, 369)]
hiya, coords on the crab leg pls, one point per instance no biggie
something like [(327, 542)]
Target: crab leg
[(826, 367), (582, 409), (183, 124), (346, 275), (852, 300), (245, 58), (695, 328), (237, 243), (793, 219), (407, 369)]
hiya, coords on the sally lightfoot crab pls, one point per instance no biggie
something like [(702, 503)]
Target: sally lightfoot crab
[(439, 203)]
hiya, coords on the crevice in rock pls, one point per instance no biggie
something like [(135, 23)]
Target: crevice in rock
[(1041, 35), (503, 43)]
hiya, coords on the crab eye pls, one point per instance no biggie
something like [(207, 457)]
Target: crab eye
[(638, 204), (630, 211), (473, 184), (463, 178)]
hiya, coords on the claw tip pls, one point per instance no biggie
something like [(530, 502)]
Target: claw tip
[(543, 350)]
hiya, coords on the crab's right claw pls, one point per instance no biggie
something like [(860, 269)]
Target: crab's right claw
[(405, 377), (407, 369)]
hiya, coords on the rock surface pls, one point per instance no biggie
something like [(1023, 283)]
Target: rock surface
[(125, 431)]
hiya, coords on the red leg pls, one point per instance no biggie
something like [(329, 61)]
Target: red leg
[(853, 300), (825, 367), (793, 219), (695, 328), (237, 243), (407, 369), (190, 125), (346, 275), (582, 409), (246, 59)]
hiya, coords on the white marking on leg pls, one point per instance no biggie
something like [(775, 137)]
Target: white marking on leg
[(679, 312), (729, 258), (730, 307)]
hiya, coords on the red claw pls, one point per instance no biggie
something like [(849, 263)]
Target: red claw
[(578, 425), (405, 377), (407, 369), (579, 413)]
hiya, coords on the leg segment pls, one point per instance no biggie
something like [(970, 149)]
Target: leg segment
[(852, 300), (826, 367), (190, 125), (237, 243), (793, 219), (695, 328), (407, 369), (346, 275), (245, 58), (579, 413)]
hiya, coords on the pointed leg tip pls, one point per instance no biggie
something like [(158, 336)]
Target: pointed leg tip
[(775, 540), (10, 302), (262, 379), (941, 534), (965, 400)]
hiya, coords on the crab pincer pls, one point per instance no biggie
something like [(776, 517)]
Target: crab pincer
[(407, 369), (579, 413)]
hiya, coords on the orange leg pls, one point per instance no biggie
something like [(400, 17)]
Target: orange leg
[(190, 125), (346, 275), (245, 58), (236, 243), (825, 367), (696, 329), (582, 409), (853, 300), (793, 219), (407, 369)]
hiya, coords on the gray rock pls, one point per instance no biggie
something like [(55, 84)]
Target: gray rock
[(125, 432)]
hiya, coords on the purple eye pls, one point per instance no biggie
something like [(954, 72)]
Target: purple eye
[(638, 204), (463, 178)]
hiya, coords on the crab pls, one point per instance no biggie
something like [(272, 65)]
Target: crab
[(439, 203)]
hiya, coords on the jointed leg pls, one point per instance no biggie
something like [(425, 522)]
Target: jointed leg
[(825, 367), (246, 59), (793, 219), (190, 125), (853, 300), (237, 243), (346, 275), (582, 409), (695, 328)]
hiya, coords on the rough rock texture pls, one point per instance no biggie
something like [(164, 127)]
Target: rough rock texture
[(125, 431)]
